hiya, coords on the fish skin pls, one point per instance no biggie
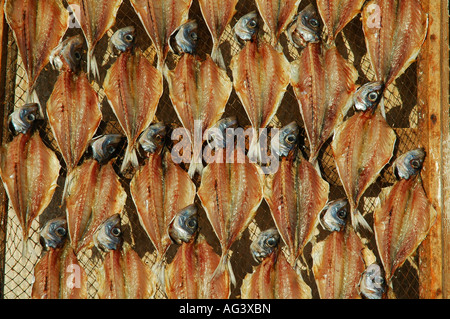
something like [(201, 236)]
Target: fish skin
[(230, 194), (324, 84), (67, 55), (246, 28), (29, 171), (155, 17), (186, 37), (305, 28), (336, 14), (338, 263), (296, 194), (260, 89), (371, 285), (184, 225), (53, 234), (153, 138), (334, 215), (38, 27), (277, 15), (189, 275), (201, 100), (217, 16), (23, 117), (95, 17), (393, 46), (133, 87)]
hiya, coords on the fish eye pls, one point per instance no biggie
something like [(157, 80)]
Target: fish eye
[(271, 242), (31, 117), (61, 231), (192, 223), (314, 22), (77, 55), (378, 280), (342, 214), (129, 37), (373, 96), (194, 36), (116, 231), (415, 164), (290, 139), (110, 149), (252, 23)]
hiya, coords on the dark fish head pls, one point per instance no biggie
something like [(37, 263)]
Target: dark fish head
[(67, 55), (368, 96), (23, 117), (123, 38), (305, 28), (247, 26), (409, 164), (216, 135), (54, 233), (265, 244), (187, 37), (152, 139), (108, 235), (371, 284), (285, 139), (104, 146), (184, 225), (335, 215)]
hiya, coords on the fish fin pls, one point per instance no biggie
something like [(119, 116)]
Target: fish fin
[(217, 57), (130, 157), (382, 107), (94, 67), (225, 265), (159, 271), (195, 167), (27, 249), (359, 220), (254, 150)]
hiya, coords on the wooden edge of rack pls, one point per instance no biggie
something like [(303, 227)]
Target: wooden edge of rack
[(434, 124)]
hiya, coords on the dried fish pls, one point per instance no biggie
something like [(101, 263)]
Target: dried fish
[(161, 19), (95, 17), (285, 139), (305, 28), (38, 27), (324, 84), (362, 146), (371, 285), (186, 37), (335, 215), (246, 27), (274, 278), (133, 87), (184, 225), (152, 139), (217, 16), (104, 146), (29, 171), (23, 117)]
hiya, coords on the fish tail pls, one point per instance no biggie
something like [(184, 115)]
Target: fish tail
[(359, 220), (217, 57), (130, 157), (225, 265), (27, 248), (159, 270), (382, 107), (94, 66), (254, 150), (196, 165)]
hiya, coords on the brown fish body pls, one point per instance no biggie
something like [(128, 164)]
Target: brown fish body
[(38, 27), (260, 78), (94, 194), (190, 274), (160, 20), (296, 194), (133, 87), (29, 171), (323, 83)]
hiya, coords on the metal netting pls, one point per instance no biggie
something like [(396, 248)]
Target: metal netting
[(402, 112)]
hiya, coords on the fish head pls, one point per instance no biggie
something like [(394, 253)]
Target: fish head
[(334, 215), (305, 28), (103, 147), (152, 139), (216, 135), (23, 117), (54, 233), (108, 235), (368, 96), (184, 225), (67, 55), (285, 139), (247, 26), (265, 244), (409, 164), (371, 284), (187, 37), (123, 38)]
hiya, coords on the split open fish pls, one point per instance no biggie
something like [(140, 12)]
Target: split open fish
[(133, 87), (362, 146), (38, 27), (95, 17)]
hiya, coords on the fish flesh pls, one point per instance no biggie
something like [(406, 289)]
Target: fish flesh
[(260, 79), (190, 274), (372, 282), (324, 84), (29, 171), (133, 88), (199, 103), (73, 108), (53, 271), (338, 262), (23, 117), (123, 274), (404, 215), (38, 27), (95, 18), (394, 31), (217, 16), (160, 189), (230, 193), (362, 146), (334, 215), (273, 278), (336, 14), (160, 20), (94, 193), (305, 28), (277, 15)]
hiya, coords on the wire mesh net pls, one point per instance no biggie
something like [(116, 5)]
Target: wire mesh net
[(403, 115)]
